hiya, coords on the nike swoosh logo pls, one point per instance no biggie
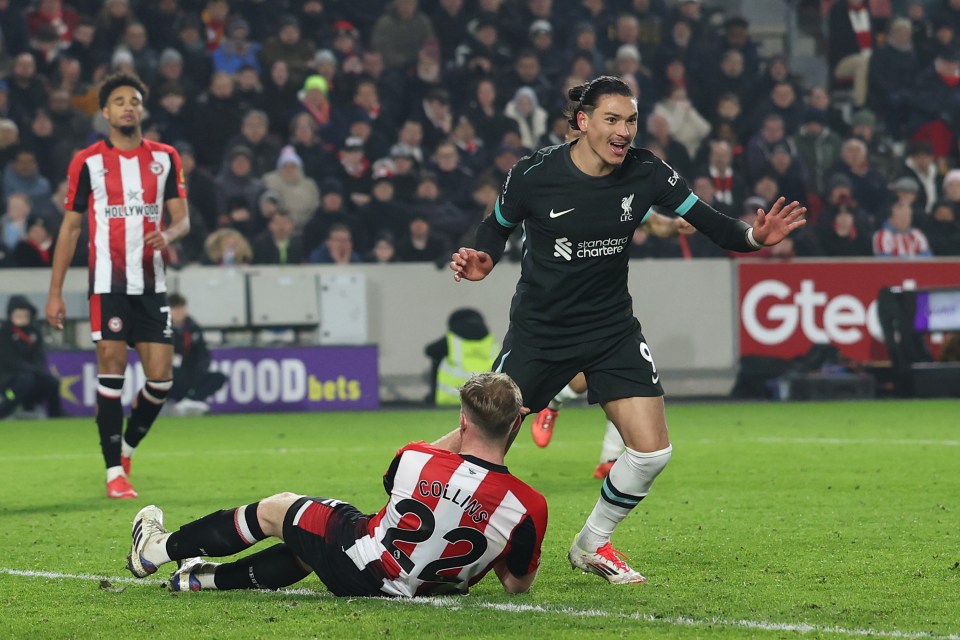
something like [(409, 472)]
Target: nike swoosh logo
[(557, 214), (656, 378)]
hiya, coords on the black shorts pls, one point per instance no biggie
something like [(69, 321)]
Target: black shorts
[(318, 530), (616, 367), (132, 319)]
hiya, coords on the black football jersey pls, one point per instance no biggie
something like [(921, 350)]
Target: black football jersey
[(577, 231)]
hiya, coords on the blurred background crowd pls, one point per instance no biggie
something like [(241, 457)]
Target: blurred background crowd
[(326, 131)]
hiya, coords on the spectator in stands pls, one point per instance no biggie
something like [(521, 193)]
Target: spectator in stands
[(22, 175), (337, 248), (851, 44), (898, 238), (112, 22), (68, 125), (35, 248), (255, 135), (193, 381), (485, 115), (384, 249), (934, 105), (215, 120), (919, 165), (942, 228), (869, 185), (237, 179), (317, 161), (863, 126), (45, 48), (904, 189), (541, 38), (685, 123), (84, 49), (583, 44), (26, 90), (841, 238), (299, 194), (658, 130), (355, 171), (313, 99), (278, 244), (531, 118), (454, 180), (333, 210), (435, 117), (760, 148), (169, 118), (951, 186), (728, 184), (892, 74), (145, 58), (818, 149), (400, 33), (24, 378), (290, 47), (789, 174), (227, 247), (736, 37), (420, 244), (53, 13), (14, 221), (236, 51), (731, 77), (449, 20), (446, 219)]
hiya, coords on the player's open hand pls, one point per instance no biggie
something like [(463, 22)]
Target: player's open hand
[(470, 264), (770, 228), (157, 240), (56, 311)]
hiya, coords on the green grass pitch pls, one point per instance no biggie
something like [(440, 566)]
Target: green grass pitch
[(832, 520)]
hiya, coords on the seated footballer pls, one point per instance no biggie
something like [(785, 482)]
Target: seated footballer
[(451, 517)]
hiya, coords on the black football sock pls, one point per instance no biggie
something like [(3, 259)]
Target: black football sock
[(272, 568), (149, 402), (222, 533), (110, 417)]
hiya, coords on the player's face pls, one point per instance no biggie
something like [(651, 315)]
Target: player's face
[(124, 108), (610, 129)]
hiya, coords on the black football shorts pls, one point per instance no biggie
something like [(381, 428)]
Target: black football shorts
[(132, 319), (616, 367)]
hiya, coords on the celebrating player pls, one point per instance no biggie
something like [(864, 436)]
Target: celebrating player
[(124, 184), (579, 204), (453, 514)]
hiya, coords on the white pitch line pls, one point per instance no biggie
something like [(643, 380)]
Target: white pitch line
[(228, 453), (456, 603)]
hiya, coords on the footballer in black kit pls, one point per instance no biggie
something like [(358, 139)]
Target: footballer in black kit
[(578, 205)]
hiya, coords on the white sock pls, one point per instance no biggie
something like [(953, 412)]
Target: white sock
[(113, 473), (629, 482), (126, 450), (156, 552), (565, 394), (612, 445)]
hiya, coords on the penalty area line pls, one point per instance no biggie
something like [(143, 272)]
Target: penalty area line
[(455, 603)]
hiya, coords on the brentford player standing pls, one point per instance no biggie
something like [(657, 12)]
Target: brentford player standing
[(124, 185), (454, 513)]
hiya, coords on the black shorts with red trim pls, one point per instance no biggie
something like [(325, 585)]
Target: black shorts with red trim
[(619, 366), (318, 530), (131, 319)]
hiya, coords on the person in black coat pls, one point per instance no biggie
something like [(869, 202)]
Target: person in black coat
[(24, 378), (278, 244), (192, 378)]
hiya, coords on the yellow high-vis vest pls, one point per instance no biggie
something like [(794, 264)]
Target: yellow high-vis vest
[(464, 359)]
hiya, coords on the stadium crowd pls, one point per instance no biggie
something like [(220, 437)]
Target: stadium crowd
[(335, 132)]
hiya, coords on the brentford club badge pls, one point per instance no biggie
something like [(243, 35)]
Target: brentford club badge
[(156, 168), (115, 324)]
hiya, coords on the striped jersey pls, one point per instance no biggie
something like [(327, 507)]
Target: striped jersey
[(123, 193), (450, 518)]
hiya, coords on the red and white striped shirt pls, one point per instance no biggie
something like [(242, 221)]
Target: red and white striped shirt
[(900, 244), (123, 194), (450, 518)]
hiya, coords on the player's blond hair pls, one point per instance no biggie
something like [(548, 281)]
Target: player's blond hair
[(492, 402)]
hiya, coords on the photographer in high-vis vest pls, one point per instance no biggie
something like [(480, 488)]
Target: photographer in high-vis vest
[(467, 348)]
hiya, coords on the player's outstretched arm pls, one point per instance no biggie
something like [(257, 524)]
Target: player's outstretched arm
[(470, 264), (510, 582), (782, 219), (62, 256)]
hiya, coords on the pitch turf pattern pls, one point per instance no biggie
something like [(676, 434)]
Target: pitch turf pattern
[(831, 520)]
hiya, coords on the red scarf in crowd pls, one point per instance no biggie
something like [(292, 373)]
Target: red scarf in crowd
[(860, 21), (723, 185)]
